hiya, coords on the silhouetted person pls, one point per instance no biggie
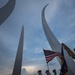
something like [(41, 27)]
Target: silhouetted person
[(54, 71), (39, 72), (47, 72)]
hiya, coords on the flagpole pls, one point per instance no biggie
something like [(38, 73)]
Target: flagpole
[(48, 68), (47, 65)]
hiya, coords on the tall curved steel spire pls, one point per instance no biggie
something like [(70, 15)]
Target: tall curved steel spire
[(6, 10), (50, 36), (55, 45), (18, 60)]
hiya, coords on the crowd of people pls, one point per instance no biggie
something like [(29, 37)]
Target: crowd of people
[(47, 72)]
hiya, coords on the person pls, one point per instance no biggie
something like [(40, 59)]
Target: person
[(39, 72), (47, 72), (54, 71)]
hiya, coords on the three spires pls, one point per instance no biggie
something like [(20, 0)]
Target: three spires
[(54, 43)]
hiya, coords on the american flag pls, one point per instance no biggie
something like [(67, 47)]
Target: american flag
[(49, 55)]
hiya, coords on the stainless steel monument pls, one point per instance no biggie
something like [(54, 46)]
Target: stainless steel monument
[(6, 10), (18, 60), (56, 46)]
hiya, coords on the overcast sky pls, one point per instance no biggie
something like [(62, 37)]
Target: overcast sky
[(60, 15)]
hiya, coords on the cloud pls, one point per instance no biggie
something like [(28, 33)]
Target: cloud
[(23, 71), (29, 70)]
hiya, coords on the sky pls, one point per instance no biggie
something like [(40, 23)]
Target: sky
[(60, 16)]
